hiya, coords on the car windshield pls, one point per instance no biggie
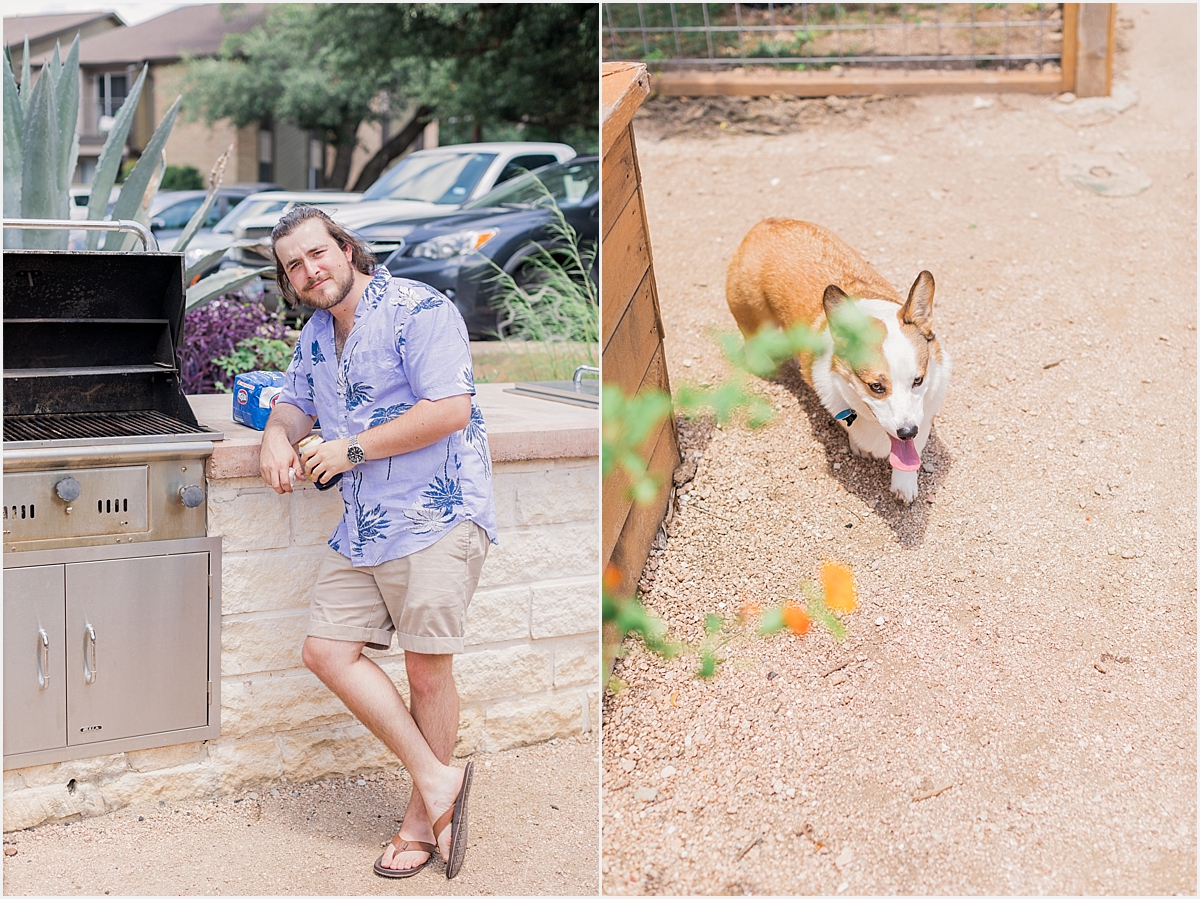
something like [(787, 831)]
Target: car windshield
[(443, 178), (247, 209), (568, 183)]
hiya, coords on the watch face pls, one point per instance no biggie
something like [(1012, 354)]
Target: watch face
[(355, 453)]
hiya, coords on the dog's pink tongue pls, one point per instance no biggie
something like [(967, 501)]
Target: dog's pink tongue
[(904, 455)]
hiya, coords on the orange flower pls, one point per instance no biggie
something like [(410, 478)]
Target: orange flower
[(838, 582), (795, 618), (750, 610), (612, 578)]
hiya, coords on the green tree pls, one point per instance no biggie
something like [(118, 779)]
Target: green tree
[(330, 67), (530, 64), (291, 70)]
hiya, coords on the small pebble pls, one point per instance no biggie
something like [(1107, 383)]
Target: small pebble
[(668, 771), (10, 851), (361, 783), (646, 794)]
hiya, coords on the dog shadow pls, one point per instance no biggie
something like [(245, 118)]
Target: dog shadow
[(870, 479)]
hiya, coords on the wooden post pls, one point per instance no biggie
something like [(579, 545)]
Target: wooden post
[(1094, 55), (1070, 45)]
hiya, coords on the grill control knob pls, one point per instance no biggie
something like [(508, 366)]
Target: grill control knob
[(192, 495), (68, 489)]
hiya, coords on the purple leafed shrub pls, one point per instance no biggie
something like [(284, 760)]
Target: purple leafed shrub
[(214, 330)]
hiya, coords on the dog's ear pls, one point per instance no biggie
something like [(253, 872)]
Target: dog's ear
[(919, 308), (834, 297)]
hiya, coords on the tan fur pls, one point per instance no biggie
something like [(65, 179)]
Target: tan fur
[(779, 273)]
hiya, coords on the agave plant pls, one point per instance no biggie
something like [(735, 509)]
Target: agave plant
[(41, 148)]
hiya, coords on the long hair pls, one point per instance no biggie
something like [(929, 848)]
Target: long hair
[(361, 257)]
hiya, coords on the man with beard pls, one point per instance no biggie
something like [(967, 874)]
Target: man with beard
[(385, 364)]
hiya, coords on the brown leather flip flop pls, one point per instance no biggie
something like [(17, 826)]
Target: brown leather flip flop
[(406, 846), (457, 825)]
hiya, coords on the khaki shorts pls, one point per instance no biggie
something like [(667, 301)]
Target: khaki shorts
[(422, 597)]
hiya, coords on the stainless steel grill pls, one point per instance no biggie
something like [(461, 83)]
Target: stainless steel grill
[(92, 426), (111, 584)]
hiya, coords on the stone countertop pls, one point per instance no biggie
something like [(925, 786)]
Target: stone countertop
[(518, 428)]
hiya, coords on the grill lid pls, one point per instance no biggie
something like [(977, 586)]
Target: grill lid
[(93, 333)]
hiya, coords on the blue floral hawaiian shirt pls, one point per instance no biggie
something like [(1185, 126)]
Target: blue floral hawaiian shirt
[(408, 343)]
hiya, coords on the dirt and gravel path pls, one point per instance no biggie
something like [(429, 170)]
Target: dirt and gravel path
[(532, 833), (1014, 709)]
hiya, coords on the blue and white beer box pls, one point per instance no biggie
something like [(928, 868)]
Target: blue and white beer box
[(254, 396)]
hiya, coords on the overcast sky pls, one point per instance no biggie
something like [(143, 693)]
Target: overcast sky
[(131, 11)]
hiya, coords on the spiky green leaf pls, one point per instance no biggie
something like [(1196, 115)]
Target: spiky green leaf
[(215, 177), (109, 164), (203, 263), (142, 183), (222, 282), (13, 126), (26, 78), (67, 96), (41, 196)]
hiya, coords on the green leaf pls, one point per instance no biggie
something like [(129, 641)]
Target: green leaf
[(818, 612), (67, 96), (644, 489), (771, 621), (215, 177), (142, 183), (109, 164), (202, 264), (222, 282), (41, 196), (26, 78), (713, 624), (852, 331), (708, 664), (13, 126)]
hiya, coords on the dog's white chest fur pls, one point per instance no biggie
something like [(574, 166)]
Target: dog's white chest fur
[(876, 421)]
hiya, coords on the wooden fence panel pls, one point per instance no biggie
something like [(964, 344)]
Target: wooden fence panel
[(633, 357), (626, 261)]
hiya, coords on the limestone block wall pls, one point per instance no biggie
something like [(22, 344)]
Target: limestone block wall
[(530, 671)]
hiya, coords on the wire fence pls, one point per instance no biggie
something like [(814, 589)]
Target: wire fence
[(801, 36)]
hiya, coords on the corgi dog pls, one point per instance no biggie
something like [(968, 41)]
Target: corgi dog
[(787, 272)]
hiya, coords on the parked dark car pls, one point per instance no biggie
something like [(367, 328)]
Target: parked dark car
[(171, 210), (457, 253)]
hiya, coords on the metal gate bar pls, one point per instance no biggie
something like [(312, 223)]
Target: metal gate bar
[(727, 29)]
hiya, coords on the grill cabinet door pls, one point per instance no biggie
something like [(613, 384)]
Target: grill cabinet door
[(35, 687), (137, 644)]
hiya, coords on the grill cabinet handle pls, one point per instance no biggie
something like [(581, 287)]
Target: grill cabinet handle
[(149, 241), (89, 670), (43, 659), (191, 495)]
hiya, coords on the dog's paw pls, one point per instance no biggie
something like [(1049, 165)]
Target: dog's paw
[(904, 485)]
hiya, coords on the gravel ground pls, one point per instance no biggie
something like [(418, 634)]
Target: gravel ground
[(532, 832), (1014, 708)]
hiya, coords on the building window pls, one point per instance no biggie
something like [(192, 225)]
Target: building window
[(111, 90), (316, 163), (266, 151)]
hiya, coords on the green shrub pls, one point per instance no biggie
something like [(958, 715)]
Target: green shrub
[(182, 177)]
